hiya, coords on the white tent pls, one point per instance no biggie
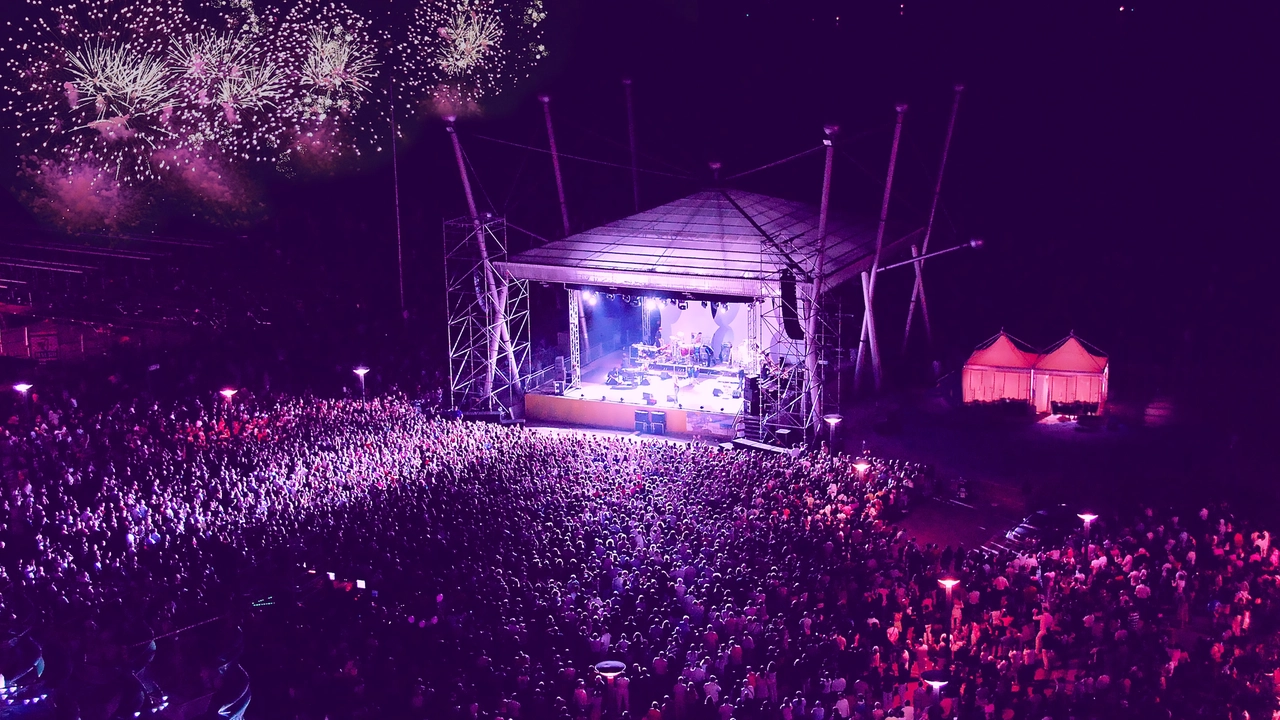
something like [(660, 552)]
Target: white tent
[(1069, 373), (999, 370)]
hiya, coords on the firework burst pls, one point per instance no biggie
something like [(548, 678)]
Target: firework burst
[(89, 80), (332, 105), (233, 88), (462, 51)]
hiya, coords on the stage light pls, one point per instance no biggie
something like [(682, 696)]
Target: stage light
[(683, 305), (610, 296), (651, 304), (228, 393), (704, 303), (23, 387), (591, 299)]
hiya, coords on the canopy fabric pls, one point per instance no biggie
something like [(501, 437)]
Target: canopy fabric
[(1071, 356), (708, 243), (1002, 352)]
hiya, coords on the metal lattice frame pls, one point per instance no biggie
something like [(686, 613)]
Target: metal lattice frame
[(784, 396), (476, 380), (575, 340)]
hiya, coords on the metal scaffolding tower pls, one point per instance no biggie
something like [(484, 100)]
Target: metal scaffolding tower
[(477, 379)]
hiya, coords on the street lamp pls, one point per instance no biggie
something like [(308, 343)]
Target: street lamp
[(936, 680), (1088, 519), (861, 465), (361, 371), (23, 388), (948, 583), (228, 393), (833, 419)]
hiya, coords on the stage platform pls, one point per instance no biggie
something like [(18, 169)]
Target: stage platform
[(690, 403)]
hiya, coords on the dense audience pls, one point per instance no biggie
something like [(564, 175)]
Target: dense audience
[(361, 560)]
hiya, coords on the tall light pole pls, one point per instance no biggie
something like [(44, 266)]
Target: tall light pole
[(360, 372), (1088, 519), (228, 393), (833, 419), (948, 583), (861, 465), (23, 390)]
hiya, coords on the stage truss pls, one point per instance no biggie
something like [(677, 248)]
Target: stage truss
[(480, 377)]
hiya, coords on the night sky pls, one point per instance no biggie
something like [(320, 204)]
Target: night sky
[(1119, 164)]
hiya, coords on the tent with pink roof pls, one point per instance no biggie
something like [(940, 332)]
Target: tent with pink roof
[(1070, 373), (999, 369)]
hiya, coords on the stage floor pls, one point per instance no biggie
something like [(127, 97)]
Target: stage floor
[(674, 393)]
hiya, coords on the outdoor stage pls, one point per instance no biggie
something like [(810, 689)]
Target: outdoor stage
[(690, 403)]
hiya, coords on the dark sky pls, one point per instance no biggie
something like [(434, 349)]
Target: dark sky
[(1119, 164)]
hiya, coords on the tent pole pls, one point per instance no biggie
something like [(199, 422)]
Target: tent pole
[(564, 212), (815, 294), (631, 134), (917, 290), (869, 324)]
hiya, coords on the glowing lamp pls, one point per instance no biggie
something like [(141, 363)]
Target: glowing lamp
[(948, 583), (23, 387), (361, 371), (936, 679), (1087, 517), (651, 304), (861, 465), (228, 393), (833, 419), (610, 669)]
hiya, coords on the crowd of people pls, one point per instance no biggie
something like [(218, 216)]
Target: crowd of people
[(311, 558)]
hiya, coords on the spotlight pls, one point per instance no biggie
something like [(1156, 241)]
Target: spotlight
[(682, 305), (609, 296), (651, 304), (704, 303), (591, 298)]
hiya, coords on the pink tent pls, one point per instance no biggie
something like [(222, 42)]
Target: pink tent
[(1070, 372), (999, 370)]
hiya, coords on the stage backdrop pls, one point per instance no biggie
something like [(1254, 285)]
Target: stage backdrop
[(728, 326)]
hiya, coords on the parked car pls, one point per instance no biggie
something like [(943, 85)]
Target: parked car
[(1046, 526)]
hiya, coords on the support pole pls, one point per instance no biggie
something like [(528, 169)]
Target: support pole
[(917, 290), (631, 133), (555, 162), (868, 318), (564, 213), (395, 178), (495, 295), (815, 294)]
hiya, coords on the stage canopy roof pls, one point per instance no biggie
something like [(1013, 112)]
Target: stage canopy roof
[(711, 243)]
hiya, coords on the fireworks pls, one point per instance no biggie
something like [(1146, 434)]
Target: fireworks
[(461, 51), (136, 90)]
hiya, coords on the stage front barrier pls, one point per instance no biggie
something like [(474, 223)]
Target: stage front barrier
[(622, 416)]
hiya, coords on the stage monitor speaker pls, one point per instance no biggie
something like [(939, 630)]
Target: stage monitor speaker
[(790, 312), (737, 394), (671, 398), (716, 392), (751, 393), (665, 375), (651, 401), (644, 381), (560, 369), (647, 396)]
